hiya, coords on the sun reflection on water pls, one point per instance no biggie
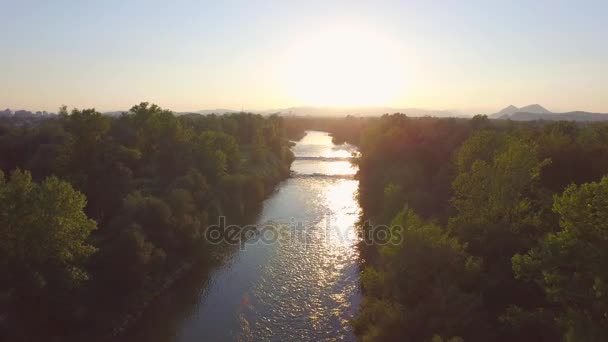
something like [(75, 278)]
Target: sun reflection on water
[(327, 168), (319, 144), (304, 290), (309, 289), (340, 198)]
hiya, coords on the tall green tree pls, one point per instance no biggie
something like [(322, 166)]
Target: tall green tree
[(571, 265), (44, 234), (500, 211), (424, 287)]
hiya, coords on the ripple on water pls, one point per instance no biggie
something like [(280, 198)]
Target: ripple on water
[(307, 289), (304, 288)]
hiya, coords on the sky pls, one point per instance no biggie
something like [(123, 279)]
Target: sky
[(186, 55)]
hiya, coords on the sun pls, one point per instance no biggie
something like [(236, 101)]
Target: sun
[(345, 66)]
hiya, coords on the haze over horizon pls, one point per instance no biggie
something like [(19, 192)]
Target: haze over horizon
[(473, 57)]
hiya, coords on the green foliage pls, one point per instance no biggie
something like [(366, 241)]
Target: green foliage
[(495, 199), (570, 265), (492, 183), (134, 257), (425, 287), (44, 234), (410, 154), (153, 183)]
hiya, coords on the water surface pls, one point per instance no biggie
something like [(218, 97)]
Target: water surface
[(304, 286)]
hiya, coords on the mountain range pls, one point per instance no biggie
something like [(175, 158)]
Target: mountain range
[(343, 111), (538, 112), (510, 110), (527, 113)]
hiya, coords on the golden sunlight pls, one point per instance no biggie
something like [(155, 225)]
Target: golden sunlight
[(345, 67)]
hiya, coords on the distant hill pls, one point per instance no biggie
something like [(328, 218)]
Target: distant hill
[(374, 111), (510, 110), (506, 111), (359, 111), (537, 112), (298, 111), (218, 111), (340, 111), (534, 108), (569, 116)]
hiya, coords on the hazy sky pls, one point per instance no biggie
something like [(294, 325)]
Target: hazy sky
[(190, 55)]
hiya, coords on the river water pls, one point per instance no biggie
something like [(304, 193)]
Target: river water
[(300, 282)]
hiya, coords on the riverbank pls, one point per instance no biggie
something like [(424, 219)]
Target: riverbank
[(282, 290), (132, 317), (271, 176), (129, 200)]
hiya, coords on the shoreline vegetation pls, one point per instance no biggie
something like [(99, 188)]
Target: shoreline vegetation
[(116, 209), (503, 223), (503, 228), (130, 318)]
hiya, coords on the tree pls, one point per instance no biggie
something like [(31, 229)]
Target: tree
[(133, 257), (499, 212), (497, 200), (153, 181), (44, 234), (424, 287), (571, 265)]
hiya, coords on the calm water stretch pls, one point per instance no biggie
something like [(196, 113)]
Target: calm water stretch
[(303, 286)]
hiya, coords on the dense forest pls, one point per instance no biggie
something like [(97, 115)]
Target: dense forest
[(498, 229), (97, 212)]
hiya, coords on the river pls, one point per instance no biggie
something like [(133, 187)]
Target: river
[(300, 282)]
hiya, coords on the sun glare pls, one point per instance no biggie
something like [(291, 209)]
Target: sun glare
[(345, 67)]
